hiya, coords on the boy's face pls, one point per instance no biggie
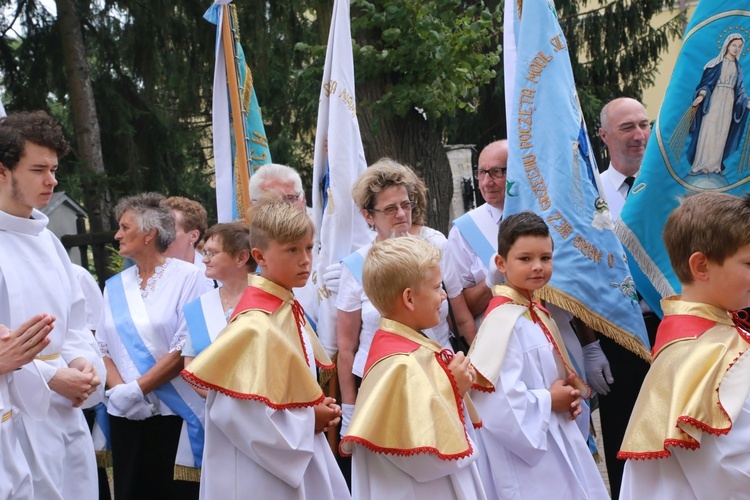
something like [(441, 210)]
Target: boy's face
[(286, 264), (427, 299), (528, 265), (729, 283), (31, 183)]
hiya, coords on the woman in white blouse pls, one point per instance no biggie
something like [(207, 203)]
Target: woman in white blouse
[(141, 335), (393, 201)]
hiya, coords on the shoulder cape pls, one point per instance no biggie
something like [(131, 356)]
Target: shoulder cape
[(697, 384), (424, 416), (261, 354), (490, 345)]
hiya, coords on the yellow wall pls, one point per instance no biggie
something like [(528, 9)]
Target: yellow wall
[(653, 96)]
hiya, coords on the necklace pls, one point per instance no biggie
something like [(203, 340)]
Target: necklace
[(229, 304)]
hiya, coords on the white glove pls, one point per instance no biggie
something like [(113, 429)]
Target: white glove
[(141, 410), (346, 417), (122, 397), (494, 276), (332, 277), (598, 373)]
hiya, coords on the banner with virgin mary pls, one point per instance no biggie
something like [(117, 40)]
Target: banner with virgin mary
[(699, 142)]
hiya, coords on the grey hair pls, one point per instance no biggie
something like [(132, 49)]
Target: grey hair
[(273, 171), (151, 212)]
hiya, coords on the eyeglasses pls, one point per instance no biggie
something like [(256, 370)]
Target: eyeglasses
[(207, 254), (393, 209), (495, 173)]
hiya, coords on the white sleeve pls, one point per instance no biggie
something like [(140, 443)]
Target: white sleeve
[(470, 270), (450, 276), (280, 441), (517, 416), (349, 298)]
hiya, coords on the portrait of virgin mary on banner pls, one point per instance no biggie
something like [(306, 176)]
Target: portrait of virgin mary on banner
[(699, 141)]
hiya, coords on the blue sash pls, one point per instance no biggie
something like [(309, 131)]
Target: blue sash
[(144, 361), (355, 262), (197, 325), (474, 236)]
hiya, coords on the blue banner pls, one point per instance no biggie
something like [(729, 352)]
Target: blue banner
[(552, 172), (699, 141), (231, 202)]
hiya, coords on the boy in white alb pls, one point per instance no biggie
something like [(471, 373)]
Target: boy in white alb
[(265, 412), (411, 435), (526, 389)]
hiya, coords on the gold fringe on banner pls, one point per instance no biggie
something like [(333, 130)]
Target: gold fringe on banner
[(104, 459), (184, 473), (595, 321), (325, 376)]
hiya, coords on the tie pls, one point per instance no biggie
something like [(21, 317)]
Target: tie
[(629, 181)]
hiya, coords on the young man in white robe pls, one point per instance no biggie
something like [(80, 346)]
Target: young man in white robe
[(689, 434), (36, 277), (527, 390), (265, 412), (411, 435)]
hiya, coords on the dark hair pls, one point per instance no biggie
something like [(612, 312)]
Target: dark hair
[(517, 225), (235, 238), (715, 224), (37, 127)]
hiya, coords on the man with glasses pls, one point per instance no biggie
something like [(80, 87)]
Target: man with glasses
[(473, 238)]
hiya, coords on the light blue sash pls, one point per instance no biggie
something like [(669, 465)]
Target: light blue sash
[(205, 319), (144, 361), (355, 262), (474, 236)]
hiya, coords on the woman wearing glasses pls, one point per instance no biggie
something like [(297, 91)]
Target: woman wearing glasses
[(393, 201)]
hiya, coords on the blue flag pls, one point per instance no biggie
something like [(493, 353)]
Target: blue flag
[(552, 172), (699, 141), (231, 201)]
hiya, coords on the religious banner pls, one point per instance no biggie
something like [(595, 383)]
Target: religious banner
[(339, 160), (698, 143), (552, 172), (236, 118)]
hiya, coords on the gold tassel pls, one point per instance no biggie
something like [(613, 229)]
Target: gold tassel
[(184, 473), (104, 459), (598, 323)]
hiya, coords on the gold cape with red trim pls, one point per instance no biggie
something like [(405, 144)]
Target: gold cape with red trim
[(260, 354), (408, 403), (698, 382), (487, 353)]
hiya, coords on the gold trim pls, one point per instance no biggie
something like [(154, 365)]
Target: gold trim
[(7, 416), (185, 473), (103, 459), (48, 357), (595, 321)]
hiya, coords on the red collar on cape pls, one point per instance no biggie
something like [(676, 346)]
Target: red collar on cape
[(499, 300), (386, 343), (679, 327), (256, 299)]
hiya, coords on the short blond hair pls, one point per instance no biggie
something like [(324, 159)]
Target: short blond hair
[(715, 224), (378, 177), (194, 216), (394, 265), (272, 219)]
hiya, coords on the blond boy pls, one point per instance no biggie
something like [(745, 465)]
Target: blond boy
[(265, 411), (689, 435), (411, 434), (527, 390)]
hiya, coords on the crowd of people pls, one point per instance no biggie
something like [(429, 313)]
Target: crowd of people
[(199, 367)]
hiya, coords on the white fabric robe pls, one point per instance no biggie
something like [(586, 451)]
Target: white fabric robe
[(416, 477), (719, 469), (252, 449), (36, 276), (531, 452)]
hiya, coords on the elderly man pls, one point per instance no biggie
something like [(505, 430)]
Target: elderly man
[(36, 277), (625, 129), (473, 238)]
